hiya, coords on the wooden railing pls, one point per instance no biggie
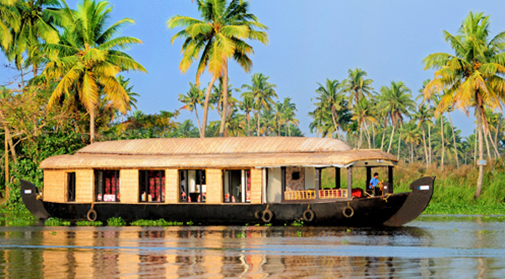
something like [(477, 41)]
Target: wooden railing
[(300, 195), (333, 193)]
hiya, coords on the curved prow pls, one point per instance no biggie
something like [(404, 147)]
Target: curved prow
[(415, 204), (31, 198)]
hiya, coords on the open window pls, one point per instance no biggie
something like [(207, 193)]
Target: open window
[(192, 186), (152, 186), (70, 186), (107, 185), (237, 186)]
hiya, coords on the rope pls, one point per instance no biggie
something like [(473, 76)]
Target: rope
[(385, 198)]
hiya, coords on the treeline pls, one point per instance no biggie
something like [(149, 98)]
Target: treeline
[(70, 92)]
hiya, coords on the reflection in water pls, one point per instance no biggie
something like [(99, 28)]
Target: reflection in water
[(432, 249)]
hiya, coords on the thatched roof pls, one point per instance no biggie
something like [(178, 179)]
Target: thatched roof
[(217, 153)]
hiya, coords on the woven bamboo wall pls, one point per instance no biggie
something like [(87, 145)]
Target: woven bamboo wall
[(129, 189), (54, 186), (84, 185), (171, 186), (256, 185), (214, 186)]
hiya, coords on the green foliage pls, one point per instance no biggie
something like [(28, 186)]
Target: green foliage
[(116, 222), (155, 223), (32, 154), (56, 222), (83, 223)]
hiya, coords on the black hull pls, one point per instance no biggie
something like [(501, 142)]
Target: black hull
[(390, 210)]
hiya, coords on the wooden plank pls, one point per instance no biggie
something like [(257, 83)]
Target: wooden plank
[(256, 185), (214, 186), (129, 186), (171, 186)]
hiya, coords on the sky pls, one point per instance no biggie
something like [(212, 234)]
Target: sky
[(309, 41)]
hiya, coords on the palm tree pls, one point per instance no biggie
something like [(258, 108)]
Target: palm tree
[(192, 100), (332, 99), (363, 114), (38, 23), (125, 83), (247, 106), (357, 86), (218, 37), (88, 58), (262, 93), (423, 116), (9, 23), (289, 114), (396, 100), (473, 76)]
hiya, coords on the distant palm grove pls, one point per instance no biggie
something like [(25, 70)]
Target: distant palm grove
[(72, 90)]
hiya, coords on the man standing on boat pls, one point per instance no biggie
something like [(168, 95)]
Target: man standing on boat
[(374, 183)]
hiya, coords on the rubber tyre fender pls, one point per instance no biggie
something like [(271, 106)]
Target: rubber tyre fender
[(258, 214), (348, 211), (91, 215), (309, 215), (267, 216)]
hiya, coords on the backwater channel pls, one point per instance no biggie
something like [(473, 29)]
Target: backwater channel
[(429, 247)]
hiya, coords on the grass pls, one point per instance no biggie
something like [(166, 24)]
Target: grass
[(116, 222), (56, 222), (84, 223), (155, 223)]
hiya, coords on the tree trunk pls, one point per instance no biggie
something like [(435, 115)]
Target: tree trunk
[(481, 157), (8, 138), (7, 177), (225, 99), (206, 107), (443, 141), (493, 144), (258, 118), (198, 121), (425, 148), (454, 140), (334, 122), (391, 139), (487, 143), (429, 145), (248, 118), (475, 147), (360, 136), (399, 143), (383, 137), (92, 125), (369, 136)]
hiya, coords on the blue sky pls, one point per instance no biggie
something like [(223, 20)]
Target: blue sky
[(309, 42)]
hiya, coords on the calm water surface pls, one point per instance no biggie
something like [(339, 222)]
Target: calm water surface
[(430, 247)]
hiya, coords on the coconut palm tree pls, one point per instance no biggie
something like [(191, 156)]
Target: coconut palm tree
[(247, 106), (192, 99), (9, 24), (473, 75), (289, 114), (132, 96), (88, 58), (217, 37), (262, 93), (423, 116), (357, 86), (331, 98), (396, 100), (38, 24), (362, 115)]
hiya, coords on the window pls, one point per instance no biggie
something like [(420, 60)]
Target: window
[(107, 185), (192, 186), (237, 186), (71, 186), (151, 186)]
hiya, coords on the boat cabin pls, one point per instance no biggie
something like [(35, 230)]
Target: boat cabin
[(246, 170)]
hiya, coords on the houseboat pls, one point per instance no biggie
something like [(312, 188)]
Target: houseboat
[(246, 180)]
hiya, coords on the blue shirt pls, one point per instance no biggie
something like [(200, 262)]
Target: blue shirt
[(374, 181)]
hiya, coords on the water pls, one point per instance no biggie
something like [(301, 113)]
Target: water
[(430, 247)]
